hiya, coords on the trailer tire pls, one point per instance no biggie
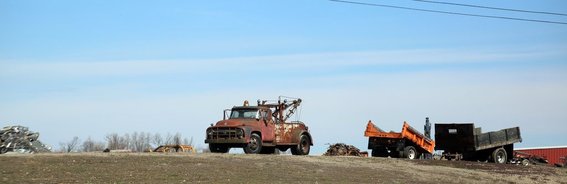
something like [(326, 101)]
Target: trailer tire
[(525, 162), (255, 144), (410, 153), (303, 147), (499, 156), (215, 148)]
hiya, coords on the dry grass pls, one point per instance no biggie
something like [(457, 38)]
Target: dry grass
[(217, 168)]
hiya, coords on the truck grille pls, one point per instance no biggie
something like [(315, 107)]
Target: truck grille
[(224, 133)]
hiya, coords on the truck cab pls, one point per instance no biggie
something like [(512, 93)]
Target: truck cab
[(259, 129)]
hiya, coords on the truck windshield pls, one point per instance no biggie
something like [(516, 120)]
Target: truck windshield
[(244, 113)]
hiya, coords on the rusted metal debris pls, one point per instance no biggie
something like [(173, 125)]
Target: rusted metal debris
[(174, 148), (524, 158), (341, 149), (19, 139), (564, 164)]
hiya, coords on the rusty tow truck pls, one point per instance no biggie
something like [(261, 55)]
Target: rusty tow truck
[(261, 129)]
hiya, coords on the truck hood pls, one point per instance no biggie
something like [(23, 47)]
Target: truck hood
[(234, 122)]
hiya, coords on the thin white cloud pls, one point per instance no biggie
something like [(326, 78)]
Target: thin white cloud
[(278, 62)]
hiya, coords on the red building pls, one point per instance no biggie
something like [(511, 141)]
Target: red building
[(552, 153)]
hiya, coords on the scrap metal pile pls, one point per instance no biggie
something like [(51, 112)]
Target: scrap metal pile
[(20, 139), (341, 149)]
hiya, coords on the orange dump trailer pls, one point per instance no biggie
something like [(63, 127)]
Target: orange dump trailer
[(408, 143)]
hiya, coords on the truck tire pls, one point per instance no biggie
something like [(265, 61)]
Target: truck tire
[(410, 153), (303, 147), (216, 148), (499, 156), (255, 144)]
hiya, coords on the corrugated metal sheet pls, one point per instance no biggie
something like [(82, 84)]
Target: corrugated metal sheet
[(553, 154)]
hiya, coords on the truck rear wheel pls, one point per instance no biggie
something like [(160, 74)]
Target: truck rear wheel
[(499, 156), (410, 152), (255, 144), (215, 148), (303, 147)]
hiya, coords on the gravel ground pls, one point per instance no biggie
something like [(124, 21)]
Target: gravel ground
[(240, 168)]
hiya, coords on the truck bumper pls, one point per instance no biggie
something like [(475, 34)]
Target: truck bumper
[(226, 141)]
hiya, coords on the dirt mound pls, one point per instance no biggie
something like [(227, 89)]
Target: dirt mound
[(341, 149)]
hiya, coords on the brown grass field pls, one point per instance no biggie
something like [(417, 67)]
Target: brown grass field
[(240, 168)]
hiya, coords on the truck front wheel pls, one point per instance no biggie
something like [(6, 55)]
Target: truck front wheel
[(215, 148), (303, 147), (255, 144), (499, 156)]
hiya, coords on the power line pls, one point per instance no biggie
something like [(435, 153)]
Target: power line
[(493, 8), (447, 12)]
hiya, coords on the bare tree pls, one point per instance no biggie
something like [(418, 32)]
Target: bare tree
[(90, 145), (140, 142), (71, 145), (168, 139), (177, 138), (147, 141), (134, 142), (188, 141), (125, 141), (113, 141), (157, 140)]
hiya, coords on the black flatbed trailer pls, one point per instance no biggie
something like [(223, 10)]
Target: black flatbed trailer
[(465, 142)]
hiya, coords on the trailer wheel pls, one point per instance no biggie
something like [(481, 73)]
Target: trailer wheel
[(303, 147), (255, 144), (215, 148), (499, 156), (410, 152), (525, 162)]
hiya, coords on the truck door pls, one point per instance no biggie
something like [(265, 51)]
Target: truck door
[(267, 124)]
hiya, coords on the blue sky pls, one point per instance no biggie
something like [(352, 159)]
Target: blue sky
[(89, 68)]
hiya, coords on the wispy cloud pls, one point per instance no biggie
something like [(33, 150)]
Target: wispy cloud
[(297, 62)]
